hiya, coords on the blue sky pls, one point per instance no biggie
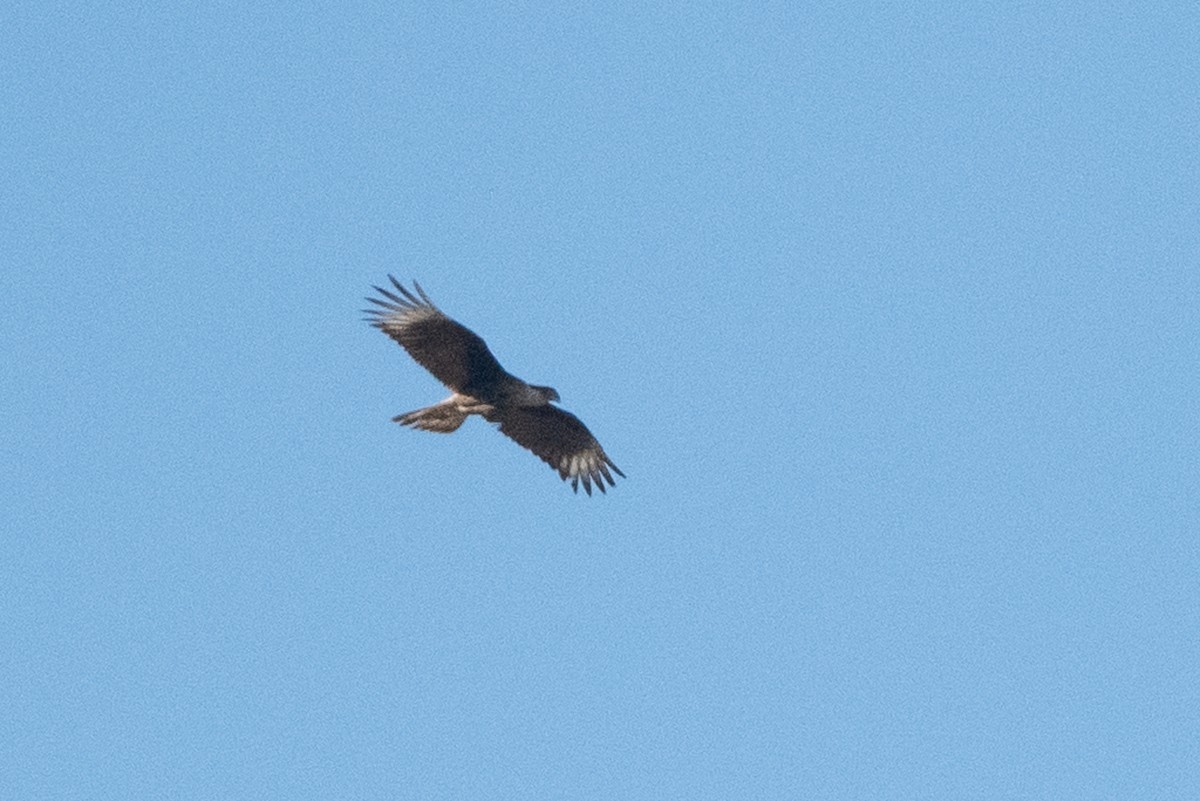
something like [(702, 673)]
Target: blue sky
[(889, 315)]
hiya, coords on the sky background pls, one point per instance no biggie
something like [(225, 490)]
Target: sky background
[(888, 313)]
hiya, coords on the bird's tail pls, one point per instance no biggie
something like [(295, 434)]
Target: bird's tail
[(441, 418)]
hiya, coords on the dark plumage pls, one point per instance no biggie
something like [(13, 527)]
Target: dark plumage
[(460, 359)]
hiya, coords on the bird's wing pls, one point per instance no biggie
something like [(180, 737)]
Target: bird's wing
[(560, 440), (456, 355)]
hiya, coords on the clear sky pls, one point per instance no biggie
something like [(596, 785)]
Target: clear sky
[(888, 313)]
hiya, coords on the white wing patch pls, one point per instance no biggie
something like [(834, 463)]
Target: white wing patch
[(405, 317), (589, 466)]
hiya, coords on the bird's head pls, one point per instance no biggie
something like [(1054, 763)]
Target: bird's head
[(548, 393)]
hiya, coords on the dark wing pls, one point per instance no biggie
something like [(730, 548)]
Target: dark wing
[(561, 441), (456, 355)]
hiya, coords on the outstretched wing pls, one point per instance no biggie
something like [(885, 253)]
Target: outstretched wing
[(456, 355), (560, 440)]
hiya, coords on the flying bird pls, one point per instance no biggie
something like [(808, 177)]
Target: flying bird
[(460, 359)]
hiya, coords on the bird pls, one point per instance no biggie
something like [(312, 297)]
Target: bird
[(460, 359)]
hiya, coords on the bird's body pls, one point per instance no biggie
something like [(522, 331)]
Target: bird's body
[(460, 359)]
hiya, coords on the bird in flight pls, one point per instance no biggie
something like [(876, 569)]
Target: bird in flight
[(460, 359)]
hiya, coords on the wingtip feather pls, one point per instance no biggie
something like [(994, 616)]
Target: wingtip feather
[(421, 292)]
